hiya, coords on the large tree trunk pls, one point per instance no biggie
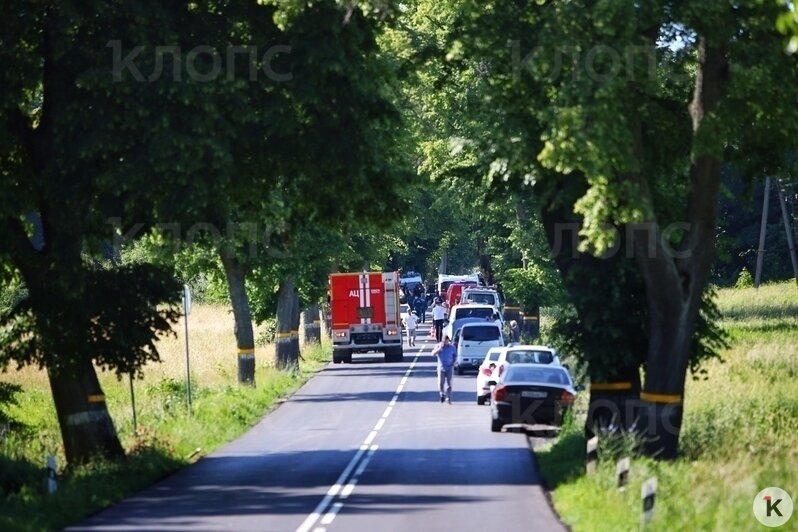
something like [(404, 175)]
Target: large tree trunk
[(86, 426), (326, 318), (312, 324), (522, 220), (613, 401), (287, 338), (675, 281), (485, 265), (612, 355), (87, 429), (243, 330), (530, 324)]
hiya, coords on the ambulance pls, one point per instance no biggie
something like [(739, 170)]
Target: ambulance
[(364, 310)]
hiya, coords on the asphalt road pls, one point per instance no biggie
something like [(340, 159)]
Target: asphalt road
[(360, 447)]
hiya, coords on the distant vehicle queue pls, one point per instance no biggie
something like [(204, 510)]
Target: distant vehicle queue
[(376, 311)]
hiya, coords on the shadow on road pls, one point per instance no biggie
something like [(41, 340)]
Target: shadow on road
[(276, 483)]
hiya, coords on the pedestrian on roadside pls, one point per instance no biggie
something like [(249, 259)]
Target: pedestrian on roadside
[(447, 360), (515, 332), (411, 324), (421, 309), (438, 317)]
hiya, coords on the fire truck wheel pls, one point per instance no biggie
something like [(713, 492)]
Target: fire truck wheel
[(348, 357)]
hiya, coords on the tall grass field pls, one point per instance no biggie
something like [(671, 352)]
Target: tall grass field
[(166, 436), (739, 436)]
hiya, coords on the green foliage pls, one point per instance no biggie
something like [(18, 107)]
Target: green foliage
[(8, 398), (11, 294), (744, 280), (268, 331), (532, 286), (115, 327)]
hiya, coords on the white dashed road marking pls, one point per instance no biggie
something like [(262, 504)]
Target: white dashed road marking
[(343, 489)]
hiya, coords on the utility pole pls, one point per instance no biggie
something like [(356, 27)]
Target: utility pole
[(790, 235), (760, 253)]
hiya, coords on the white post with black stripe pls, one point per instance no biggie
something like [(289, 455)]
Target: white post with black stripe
[(648, 493)]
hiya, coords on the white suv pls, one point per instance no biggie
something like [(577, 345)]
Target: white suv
[(473, 342), (487, 312), (481, 296), (498, 360)]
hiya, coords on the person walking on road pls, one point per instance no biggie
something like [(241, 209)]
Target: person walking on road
[(447, 360), (411, 324), (438, 317), (421, 309)]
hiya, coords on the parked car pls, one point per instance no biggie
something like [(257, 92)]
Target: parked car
[(473, 342), (531, 394), (491, 370), (484, 372), (485, 312)]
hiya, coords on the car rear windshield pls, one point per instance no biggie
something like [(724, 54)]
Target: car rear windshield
[(540, 375), (493, 357), (484, 313), (529, 357), (482, 299), (480, 333)]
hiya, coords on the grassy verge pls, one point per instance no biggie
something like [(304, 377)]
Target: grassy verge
[(167, 437), (740, 434)]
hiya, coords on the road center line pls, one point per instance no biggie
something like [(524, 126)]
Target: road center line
[(329, 517), (336, 489), (310, 520)]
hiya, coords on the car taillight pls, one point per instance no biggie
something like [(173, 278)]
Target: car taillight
[(567, 398), (487, 371), (501, 370), (500, 393)]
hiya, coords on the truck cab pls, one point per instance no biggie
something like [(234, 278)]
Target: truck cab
[(364, 310)]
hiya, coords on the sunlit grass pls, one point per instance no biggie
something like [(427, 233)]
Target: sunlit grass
[(166, 436), (740, 433)]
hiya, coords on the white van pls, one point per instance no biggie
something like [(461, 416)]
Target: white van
[(445, 280), (481, 296), (473, 342)]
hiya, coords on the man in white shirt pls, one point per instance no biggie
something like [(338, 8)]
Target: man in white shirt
[(438, 317), (411, 323)]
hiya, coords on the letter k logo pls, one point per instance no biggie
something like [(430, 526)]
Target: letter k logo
[(772, 506)]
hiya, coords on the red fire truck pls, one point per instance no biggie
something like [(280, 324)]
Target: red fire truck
[(364, 310)]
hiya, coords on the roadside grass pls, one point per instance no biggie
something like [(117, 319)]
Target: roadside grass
[(167, 437), (740, 434)]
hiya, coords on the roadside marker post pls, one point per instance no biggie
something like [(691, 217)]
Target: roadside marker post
[(52, 478), (622, 472), (592, 455), (133, 405), (186, 312), (648, 493)]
